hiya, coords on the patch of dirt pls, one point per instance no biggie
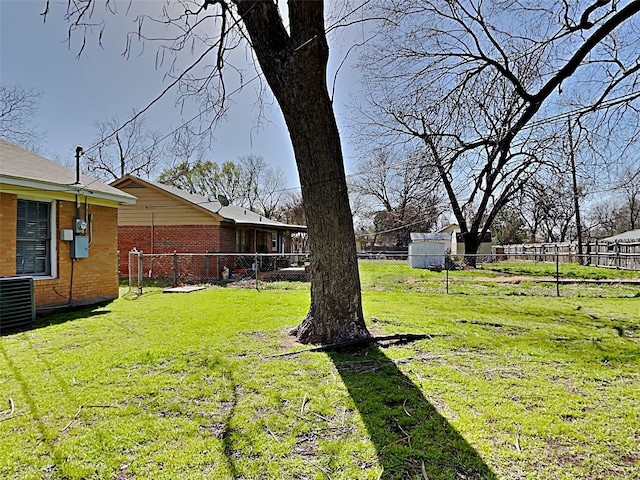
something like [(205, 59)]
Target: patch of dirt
[(514, 279), (289, 341), (248, 283)]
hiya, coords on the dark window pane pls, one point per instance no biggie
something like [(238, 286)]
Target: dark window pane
[(31, 230), (40, 265), (22, 209), (43, 211), (40, 249), (22, 228), (33, 233), (43, 230)]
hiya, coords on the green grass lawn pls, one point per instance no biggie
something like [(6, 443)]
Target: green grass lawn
[(186, 386), (512, 278), (565, 270)]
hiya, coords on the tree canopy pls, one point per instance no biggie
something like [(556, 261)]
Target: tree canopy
[(486, 87), (250, 183)]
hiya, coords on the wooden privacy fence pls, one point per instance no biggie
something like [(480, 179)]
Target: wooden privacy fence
[(623, 255)]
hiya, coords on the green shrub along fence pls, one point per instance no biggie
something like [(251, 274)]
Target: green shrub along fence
[(542, 274)]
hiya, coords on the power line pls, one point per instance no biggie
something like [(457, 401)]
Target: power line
[(564, 115), (327, 29)]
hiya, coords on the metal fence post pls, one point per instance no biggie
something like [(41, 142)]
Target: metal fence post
[(129, 258), (446, 273), (256, 271), (140, 255), (175, 268), (557, 272), (206, 266)]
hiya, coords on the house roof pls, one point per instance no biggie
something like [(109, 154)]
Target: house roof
[(231, 213), (429, 237), (453, 227), (20, 167), (630, 236)]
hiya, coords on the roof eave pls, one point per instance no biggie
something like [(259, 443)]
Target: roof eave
[(73, 189), (284, 226)]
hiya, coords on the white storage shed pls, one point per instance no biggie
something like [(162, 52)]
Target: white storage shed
[(428, 249)]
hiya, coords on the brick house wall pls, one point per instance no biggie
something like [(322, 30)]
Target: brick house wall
[(173, 238), (95, 278), (227, 239), (8, 209)]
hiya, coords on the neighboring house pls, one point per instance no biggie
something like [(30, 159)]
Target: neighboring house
[(364, 241), (166, 219), (625, 237), (60, 232), (457, 243)]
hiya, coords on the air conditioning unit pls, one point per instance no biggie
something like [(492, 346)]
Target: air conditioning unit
[(17, 303)]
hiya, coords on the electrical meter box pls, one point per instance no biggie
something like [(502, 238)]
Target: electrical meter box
[(80, 247), (80, 226)]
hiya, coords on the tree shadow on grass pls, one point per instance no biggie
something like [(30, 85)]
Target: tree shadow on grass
[(62, 315), (68, 314), (411, 438), (56, 317)]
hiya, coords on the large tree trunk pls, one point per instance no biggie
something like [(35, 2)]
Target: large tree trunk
[(471, 245), (295, 67)]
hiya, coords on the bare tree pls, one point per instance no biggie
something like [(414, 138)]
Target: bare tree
[(18, 108), (484, 86), (186, 146), (132, 149), (630, 189), (552, 208), (619, 211), (265, 185), (402, 192), (293, 60), (291, 209)]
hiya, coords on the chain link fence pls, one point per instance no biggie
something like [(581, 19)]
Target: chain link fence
[(174, 269), (533, 274)]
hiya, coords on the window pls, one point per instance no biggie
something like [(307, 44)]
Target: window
[(262, 242), (241, 240), (33, 239)]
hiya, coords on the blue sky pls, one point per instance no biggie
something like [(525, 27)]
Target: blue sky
[(77, 92)]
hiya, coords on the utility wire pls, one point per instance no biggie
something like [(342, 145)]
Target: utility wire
[(238, 89), (334, 25)]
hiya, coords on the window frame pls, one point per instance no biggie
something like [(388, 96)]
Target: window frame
[(50, 270), (241, 240)]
